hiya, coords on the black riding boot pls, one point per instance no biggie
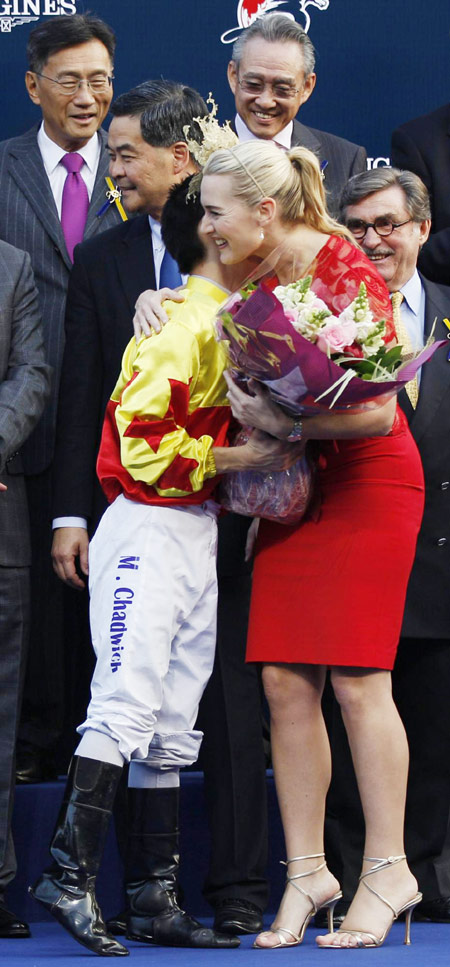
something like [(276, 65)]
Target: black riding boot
[(67, 888), (154, 915)]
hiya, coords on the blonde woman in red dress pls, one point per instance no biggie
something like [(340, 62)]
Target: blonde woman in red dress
[(330, 592)]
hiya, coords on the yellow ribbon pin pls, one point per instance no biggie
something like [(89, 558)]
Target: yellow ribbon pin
[(114, 196)]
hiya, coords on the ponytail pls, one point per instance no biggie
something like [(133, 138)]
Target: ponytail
[(309, 201)]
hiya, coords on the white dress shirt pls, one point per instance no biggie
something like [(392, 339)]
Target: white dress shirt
[(283, 137), (413, 310)]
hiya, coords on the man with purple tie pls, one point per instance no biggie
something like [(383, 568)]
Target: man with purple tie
[(70, 80)]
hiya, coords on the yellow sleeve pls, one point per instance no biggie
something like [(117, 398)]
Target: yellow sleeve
[(158, 379)]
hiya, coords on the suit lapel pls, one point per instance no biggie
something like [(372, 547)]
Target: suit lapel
[(435, 377), (134, 259), (98, 199), (301, 135), (27, 169)]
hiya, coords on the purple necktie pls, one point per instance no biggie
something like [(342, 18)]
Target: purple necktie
[(75, 201)]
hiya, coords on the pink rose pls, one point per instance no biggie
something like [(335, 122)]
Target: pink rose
[(335, 335)]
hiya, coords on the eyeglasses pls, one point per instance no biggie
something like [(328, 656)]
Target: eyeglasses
[(283, 92), (382, 226), (98, 85)]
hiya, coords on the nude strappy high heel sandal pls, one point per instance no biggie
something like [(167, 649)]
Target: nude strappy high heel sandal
[(286, 937), (380, 864)]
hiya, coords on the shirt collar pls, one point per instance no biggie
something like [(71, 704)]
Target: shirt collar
[(155, 228), (412, 293), (201, 284), (283, 137), (52, 152)]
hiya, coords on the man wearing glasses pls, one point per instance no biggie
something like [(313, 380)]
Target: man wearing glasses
[(52, 185), (388, 211), (271, 75)]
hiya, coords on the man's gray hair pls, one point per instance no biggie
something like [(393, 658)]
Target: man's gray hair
[(273, 28), (378, 179)]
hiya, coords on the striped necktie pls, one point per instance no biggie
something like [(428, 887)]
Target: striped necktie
[(412, 388), (75, 201)]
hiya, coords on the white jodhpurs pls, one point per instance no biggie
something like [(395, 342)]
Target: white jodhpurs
[(153, 587)]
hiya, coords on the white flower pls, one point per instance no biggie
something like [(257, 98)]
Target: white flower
[(373, 343), (364, 330), (305, 311)]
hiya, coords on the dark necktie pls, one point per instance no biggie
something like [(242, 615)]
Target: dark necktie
[(75, 201), (169, 275)]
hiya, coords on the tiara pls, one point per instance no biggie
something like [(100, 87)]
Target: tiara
[(214, 135)]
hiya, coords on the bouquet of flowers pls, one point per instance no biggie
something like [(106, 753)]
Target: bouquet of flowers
[(322, 342), (310, 358)]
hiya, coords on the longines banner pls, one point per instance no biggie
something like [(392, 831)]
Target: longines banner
[(379, 62)]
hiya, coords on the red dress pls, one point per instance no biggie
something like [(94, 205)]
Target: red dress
[(331, 591)]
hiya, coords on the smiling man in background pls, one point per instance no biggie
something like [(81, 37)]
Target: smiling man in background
[(388, 211), (271, 74)]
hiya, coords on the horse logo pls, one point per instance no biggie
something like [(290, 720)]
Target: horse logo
[(250, 10)]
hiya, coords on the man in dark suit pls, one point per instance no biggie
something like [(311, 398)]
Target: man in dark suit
[(271, 74), (388, 211), (108, 275), (69, 78), (24, 387), (423, 146)]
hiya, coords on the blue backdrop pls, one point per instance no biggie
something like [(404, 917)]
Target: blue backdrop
[(379, 62)]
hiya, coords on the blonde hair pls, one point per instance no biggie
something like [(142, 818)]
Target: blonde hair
[(260, 169)]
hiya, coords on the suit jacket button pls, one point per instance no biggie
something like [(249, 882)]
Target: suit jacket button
[(442, 541), (445, 484)]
